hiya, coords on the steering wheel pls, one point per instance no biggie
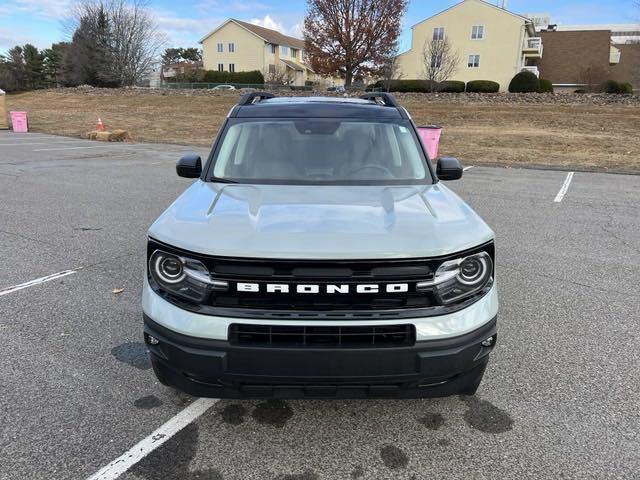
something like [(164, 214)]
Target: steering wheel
[(385, 170)]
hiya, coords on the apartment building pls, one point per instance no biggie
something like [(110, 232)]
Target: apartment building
[(237, 46), (582, 58), (492, 43)]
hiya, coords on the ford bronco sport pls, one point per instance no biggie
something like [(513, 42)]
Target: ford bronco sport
[(319, 255)]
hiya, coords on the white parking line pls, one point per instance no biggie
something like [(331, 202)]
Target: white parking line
[(75, 148), (24, 144), (147, 445), (565, 188), (37, 281), (67, 148), (468, 168)]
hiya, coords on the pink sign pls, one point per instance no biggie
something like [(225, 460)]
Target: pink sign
[(430, 136), (19, 122)]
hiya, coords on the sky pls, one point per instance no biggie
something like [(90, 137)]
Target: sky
[(184, 22)]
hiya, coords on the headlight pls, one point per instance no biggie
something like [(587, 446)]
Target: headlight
[(182, 276), (460, 278)]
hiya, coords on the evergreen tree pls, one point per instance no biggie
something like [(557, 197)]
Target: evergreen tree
[(33, 66)]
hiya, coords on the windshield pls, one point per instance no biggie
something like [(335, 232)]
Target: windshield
[(320, 151)]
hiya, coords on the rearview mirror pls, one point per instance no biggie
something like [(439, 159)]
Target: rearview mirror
[(189, 166), (449, 168)]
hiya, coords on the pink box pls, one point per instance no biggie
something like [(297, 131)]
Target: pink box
[(19, 122), (430, 136)]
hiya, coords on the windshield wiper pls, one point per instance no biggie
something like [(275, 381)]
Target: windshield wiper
[(222, 180)]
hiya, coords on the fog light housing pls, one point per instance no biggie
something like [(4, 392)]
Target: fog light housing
[(152, 340), (489, 342)]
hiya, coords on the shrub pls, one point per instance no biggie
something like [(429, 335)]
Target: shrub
[(253, 77), (611, 86), (483, 86), (626, 88), (545, 86), (524, 82), (451, 86), (404, 86)]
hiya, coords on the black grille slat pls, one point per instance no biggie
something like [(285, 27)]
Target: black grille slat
[(321, 336)]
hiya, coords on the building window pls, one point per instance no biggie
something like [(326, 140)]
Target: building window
[(474, 61), (232, 47), (284, 51), (436, 61), (274, 49), (232, 67), (220, 47), (272, 68), (221, 67), (438, 33), (477, 32), (294, 53)]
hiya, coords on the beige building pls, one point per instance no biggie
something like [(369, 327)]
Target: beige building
[(237, 46), (492, 43)]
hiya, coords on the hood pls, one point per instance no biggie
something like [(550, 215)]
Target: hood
[(320, 222)]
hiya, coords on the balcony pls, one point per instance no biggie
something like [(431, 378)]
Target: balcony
[(614, 56), (532, 69), (532, 47)]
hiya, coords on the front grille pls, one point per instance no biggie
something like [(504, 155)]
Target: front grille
[(322, 337), (321, 274)]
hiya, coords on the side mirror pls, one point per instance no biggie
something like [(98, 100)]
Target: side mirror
[(449, 168), (189, 166)]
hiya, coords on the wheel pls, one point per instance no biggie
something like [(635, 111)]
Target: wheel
[(159, 370)]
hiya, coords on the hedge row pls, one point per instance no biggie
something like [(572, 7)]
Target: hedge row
[(426, 86), (483, 86), (252, 77)]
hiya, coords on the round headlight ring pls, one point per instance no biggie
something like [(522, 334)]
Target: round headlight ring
[(169, 269), (473, 270)]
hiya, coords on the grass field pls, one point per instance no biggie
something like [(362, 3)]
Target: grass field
[(604, 138)]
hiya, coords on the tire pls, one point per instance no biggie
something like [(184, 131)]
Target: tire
[(473, 380), (159, 370)]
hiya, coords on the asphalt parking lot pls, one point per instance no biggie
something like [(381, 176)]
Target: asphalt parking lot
[(559, 400)]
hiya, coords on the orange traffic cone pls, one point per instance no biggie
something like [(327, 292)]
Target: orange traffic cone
[(100, 126)]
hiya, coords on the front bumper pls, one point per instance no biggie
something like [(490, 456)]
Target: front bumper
[(211, 327), (214, 368)]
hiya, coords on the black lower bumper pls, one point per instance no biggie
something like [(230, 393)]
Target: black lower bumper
[(213, 368)]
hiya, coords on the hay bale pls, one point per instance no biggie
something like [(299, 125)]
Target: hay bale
[(120, 136), (103, 136), (4, 123)]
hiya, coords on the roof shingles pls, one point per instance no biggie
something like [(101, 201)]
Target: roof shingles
[(272, 36)]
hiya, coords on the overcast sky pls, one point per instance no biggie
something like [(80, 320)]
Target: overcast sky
[(185, 21)]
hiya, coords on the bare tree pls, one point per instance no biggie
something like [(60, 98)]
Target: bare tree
[(440, 61), (390, 69), (592, 77), (133, 41), (278, 75), (350, 38)]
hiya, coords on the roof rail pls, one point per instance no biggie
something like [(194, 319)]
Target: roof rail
[(254, 97), (388, 100)]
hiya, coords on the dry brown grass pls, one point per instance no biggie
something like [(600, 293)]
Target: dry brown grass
[(564, 136)]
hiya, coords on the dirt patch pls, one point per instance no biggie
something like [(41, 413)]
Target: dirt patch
[(593, 132)]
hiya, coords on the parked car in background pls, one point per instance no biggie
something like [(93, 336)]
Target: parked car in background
[(224, 87)]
